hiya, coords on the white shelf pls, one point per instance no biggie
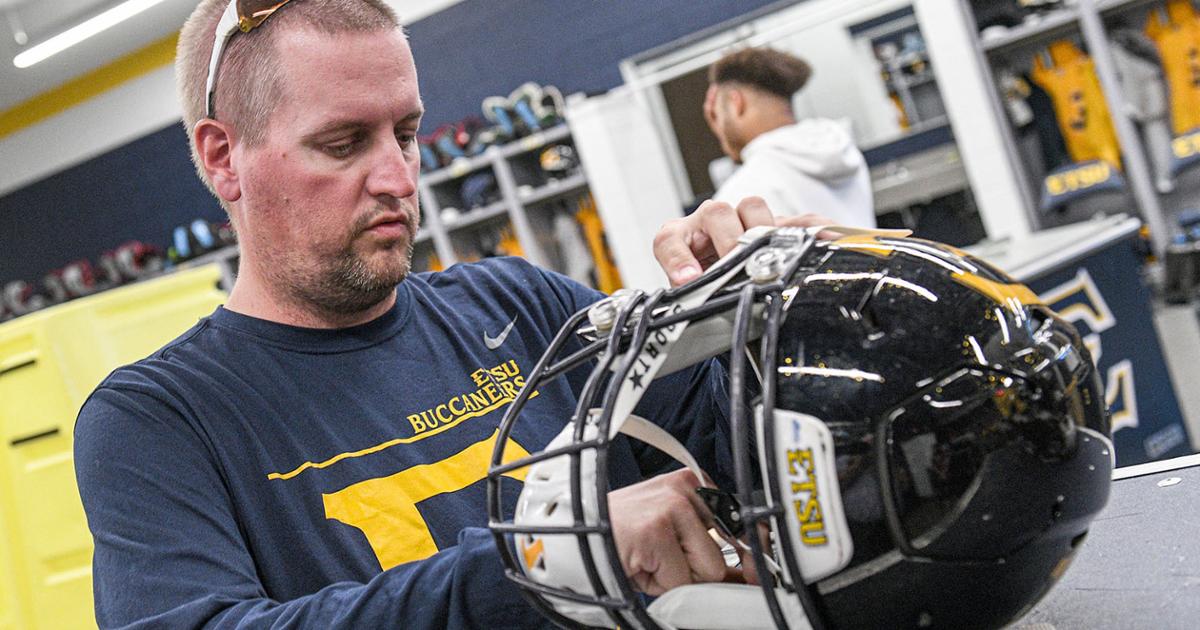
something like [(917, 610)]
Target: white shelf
[(477, 215), (1053, 25), (510, 164), (458, 168), (535, 141), (555, 188), (548, 191), (1043, 28), (465, 166), (1109, 6), (910, 83)]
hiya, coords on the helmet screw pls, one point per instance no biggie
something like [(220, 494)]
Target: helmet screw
[(765, 266), (603, 314)]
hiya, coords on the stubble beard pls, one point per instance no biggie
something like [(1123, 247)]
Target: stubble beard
[(346, 283)]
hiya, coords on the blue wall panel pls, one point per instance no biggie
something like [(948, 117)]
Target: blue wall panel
[(140, 191), (471, 50), (480, 48)]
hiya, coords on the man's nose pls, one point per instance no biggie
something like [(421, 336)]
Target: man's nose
[(391, 173)]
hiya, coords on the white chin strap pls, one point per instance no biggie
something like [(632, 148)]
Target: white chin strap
[(725, 607), (555, 559)]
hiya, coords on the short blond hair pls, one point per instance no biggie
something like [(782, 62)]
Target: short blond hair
[(248, 85)]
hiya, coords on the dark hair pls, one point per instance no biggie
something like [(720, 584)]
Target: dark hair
[(767, 69)]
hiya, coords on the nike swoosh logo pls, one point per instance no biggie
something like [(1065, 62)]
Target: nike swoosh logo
[(494, 342)]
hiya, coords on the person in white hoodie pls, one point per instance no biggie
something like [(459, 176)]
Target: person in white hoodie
[(799, 168)]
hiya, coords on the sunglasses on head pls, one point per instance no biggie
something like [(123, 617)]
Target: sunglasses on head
[(240, 15)]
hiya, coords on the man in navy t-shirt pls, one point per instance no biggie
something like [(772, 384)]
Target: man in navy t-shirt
[(313, 453)]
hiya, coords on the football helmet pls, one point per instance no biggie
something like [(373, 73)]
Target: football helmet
[(919, 441)]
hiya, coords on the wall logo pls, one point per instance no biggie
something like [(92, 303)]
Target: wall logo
[(1080, 302)]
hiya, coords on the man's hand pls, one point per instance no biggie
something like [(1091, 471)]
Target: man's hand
[(661, 529), (685, 247)]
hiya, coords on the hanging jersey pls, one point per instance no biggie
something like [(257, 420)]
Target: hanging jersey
[(1045, 124), (509, 245), (901, 115), (1079, 103), (1177, 36), (608, 279)]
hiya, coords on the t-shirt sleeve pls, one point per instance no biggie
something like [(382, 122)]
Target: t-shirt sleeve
[(690, 404), (571, 295), (169, 552)]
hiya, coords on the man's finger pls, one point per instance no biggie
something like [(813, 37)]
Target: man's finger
[(673, 249), (671, 568), (749, 567), (753, 212), (804, 220), (686, 484), (721, 222), (749, 570), (809, 220), (705, 561)]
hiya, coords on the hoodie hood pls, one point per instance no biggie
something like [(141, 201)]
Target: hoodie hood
[(818, 147)]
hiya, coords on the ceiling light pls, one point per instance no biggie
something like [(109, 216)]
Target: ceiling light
[(76, 34)]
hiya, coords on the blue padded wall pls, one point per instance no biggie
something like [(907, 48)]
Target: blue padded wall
[(139, 191), (471, 50), (480, 48)]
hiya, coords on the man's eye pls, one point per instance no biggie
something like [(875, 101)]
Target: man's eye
[(406, 139), (341, 149)]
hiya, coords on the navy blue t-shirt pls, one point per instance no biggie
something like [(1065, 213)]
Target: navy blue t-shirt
[(253, 473)]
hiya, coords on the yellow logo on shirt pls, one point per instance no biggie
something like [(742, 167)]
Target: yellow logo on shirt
[(496, 386), (499, 386), (384, 508)]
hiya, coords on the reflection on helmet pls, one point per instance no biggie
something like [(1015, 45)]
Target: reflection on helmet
[(928, 446)]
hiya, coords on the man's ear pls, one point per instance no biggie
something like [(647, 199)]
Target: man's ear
[(737, 101), (214, 144), (711, 103)]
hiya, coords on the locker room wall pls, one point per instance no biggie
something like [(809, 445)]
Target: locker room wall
[(575, 45), (473, 49), (137, 192)]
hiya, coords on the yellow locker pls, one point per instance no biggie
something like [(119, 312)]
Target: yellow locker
[(49, 362)]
